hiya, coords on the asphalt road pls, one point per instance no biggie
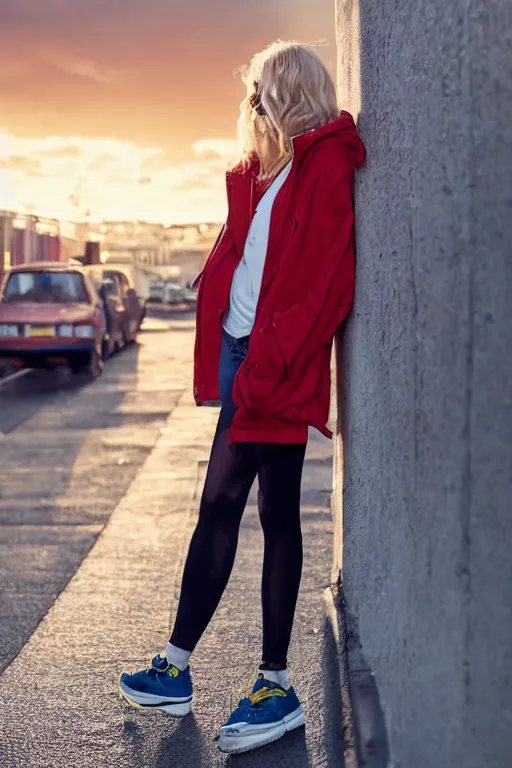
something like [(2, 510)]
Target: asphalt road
[(69, 449), (99, 493)]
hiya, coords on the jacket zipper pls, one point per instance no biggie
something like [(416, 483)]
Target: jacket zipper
[(251, 202)]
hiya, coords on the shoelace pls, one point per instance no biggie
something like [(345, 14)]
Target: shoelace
[(265, 693), (170, 669)]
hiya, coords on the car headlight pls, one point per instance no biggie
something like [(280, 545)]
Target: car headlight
[(9, 329), (85, 331), (65, 331)]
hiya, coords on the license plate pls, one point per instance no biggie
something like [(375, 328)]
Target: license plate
[(42, 330)]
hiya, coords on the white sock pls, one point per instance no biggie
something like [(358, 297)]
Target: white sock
[(279, 676), (177, 656)]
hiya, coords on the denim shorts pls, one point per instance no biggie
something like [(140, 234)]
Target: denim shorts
[(232, 354)]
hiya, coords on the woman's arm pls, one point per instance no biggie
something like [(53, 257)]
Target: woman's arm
[(304, 328), (324, 246)]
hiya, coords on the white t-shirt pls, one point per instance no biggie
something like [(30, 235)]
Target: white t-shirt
[(246, 285)]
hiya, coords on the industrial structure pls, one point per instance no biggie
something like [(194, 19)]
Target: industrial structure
[(152, 250)]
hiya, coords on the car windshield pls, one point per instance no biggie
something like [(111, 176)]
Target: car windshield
[(46, 287)]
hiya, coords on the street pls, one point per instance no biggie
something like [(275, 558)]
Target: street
[(99, 490)]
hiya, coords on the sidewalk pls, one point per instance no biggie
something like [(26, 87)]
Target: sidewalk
[(59, 703)]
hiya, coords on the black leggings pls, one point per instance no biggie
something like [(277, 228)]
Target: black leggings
[(231, 473)]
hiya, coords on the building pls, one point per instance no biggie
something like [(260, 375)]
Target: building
[(25, 239), (424, 527), (175, 252)]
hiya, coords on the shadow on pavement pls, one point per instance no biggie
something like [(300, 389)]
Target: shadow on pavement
[(290, 752), (67, 455), (174, 742), (184, 746)]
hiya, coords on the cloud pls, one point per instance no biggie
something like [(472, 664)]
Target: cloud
[(60, 151), (224, 150), (30, 166), (158, 72), (64, 177), (81, 67), (91, 70), (155, 75)]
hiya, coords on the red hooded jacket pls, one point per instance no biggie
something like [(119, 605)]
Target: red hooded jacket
[(283, 386)]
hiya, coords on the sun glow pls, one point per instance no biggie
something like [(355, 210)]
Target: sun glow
[(77, 178)]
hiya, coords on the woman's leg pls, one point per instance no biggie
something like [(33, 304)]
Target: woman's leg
[(167, 684), (280, 476), (231, 473), (273, 708)]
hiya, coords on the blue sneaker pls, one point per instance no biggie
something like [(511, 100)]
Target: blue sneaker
[(264, 716), (162, 686)]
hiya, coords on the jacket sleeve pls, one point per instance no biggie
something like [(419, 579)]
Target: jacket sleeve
[(301, 330)]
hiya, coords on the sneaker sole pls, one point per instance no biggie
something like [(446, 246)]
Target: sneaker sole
[(175, 708), (234, 745)]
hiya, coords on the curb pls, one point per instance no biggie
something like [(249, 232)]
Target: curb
[(362, 718), (333, 606)]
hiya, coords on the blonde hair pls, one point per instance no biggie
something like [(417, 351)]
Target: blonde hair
[(296, 94)]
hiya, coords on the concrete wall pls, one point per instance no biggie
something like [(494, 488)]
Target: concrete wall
[(427, 382)]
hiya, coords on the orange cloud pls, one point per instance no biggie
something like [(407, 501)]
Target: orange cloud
[(150, 84), (65, 177), (89, 70)]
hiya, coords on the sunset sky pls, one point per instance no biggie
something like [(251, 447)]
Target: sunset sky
[(127, 109)]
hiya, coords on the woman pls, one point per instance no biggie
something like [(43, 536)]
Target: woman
[(275, 288)]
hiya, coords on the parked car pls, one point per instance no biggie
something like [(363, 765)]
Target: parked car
[(172, 293), (189, 295), (156, 289), (51, 314), (124, 309)]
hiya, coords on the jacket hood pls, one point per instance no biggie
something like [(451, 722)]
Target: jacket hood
[(343, 129)]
